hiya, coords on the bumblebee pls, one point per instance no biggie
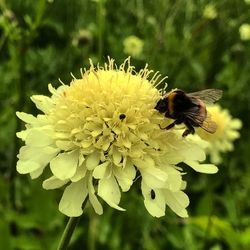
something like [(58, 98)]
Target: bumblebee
[(190, 109)]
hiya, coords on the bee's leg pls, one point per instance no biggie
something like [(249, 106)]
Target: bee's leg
[(171, 125), (189, 130), (176, 122), (186, 132)]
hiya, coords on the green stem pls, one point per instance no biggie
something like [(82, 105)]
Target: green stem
[(209, 221), (69, 230), (93, 223), (100, 21), (19, 106)]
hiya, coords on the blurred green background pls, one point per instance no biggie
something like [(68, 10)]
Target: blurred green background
[(198, 44)]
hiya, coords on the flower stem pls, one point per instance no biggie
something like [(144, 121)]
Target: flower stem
[(21, 51), (101, 23), (69, 229)]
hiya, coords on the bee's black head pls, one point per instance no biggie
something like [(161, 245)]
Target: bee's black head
[(162, 105)]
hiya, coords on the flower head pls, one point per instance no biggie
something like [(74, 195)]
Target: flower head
[(226, 133), (133, 46), (98, 133), (210, 12), (244, 32)]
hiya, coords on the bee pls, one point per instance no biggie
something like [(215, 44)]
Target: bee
[(190, 109)]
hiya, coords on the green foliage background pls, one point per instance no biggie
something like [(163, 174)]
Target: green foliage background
[(40, 42)]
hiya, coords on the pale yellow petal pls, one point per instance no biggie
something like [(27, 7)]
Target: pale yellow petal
[(73, 198), (174, 181), (25, 167), (35, 174), (43, 103), (108, 190), (154, 177), (123, 182), (125, 176), (80, 172), (202, 168), (177, 201), (117, 157), (64, 165), (65, 145), (101, 170), (156, 207), (26, 117), (42, 156), (33, 160), (23, 134), (193, 152), (93, 199), (39, 137), (93, 160), (53, 183), (146, 162)]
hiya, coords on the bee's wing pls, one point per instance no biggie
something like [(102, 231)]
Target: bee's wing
[(209, 125), (208, 96), (194, 115), (197, 118)]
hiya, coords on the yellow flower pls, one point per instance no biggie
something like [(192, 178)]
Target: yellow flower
[(226, 133), (244, 32), (210, 12), (98, 133), (133, 46)]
